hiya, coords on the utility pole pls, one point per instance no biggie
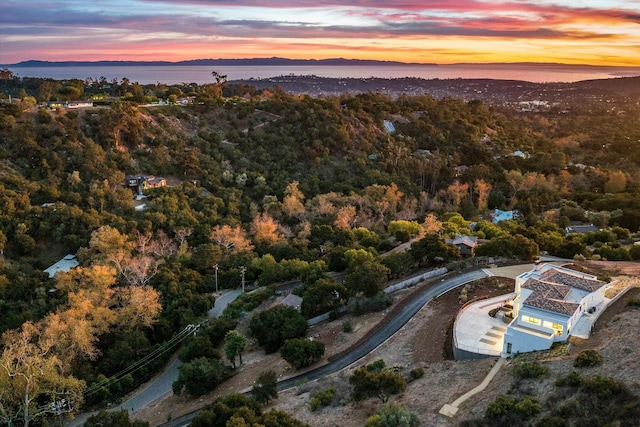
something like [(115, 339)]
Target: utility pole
[(242, 271), (216, 268)]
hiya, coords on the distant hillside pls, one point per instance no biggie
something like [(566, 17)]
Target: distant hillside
[(622, 85), (488, 90), (274, 61)]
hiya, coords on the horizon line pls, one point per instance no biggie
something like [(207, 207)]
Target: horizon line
[(389, 62)]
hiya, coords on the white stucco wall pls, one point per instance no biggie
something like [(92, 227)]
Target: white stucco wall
[(519, 340), (544, 316)]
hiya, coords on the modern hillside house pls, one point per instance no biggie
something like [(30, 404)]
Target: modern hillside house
[(551, 304)]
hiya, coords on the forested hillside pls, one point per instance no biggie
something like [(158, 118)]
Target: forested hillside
[(267, 186)]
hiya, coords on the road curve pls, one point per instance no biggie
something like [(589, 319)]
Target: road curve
[(378, 338)]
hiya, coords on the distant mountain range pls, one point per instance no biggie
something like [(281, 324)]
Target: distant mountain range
[(275, 61)]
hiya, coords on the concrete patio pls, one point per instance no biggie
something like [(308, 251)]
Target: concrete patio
[(476, 332)]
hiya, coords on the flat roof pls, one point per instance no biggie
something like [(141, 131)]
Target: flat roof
[(65, 264), (477, 332)]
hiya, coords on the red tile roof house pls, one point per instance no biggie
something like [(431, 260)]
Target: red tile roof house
[(552, 303)]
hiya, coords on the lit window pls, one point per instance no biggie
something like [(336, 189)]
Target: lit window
[(532, 320)]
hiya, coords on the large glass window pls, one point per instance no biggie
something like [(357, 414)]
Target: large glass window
[(557, 328)]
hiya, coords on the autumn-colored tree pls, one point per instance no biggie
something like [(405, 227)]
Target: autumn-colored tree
[(514, 178), (430, 225), (136, 270), (93, 306), (106, 241), (616, 183), (181, 237), (230, 239), (293, 202), (31, 372), (163, 246), (138, 306), (321, 206), (266, 230), (482, 188), (392, 198), (409, 207), (456, 192), (346, 217)]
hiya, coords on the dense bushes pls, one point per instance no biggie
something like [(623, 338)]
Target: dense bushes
[(362, 305), (265, 387), (587, 359), (393, 415), (239, 410), (506, 406), (200, 376), (322, 398), (374, 380), (274, 326), (526, 370), (302, 352)]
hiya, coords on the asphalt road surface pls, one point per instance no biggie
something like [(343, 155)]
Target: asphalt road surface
[(161, 386), (365, 348)]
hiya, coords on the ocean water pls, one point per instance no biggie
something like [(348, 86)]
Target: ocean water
[(149, 74)]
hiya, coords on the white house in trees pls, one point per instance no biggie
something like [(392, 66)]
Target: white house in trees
[(552, 302)]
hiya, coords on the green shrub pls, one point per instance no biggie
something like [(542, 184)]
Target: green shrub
[(602, 387), (527, 370), (346, 327), (553, 422), (571, 380), (265, 387), (302, 352), (527, 407), (587, 359), (200, 376), (416, 373), (500, 407), (322, 398), (393, 415), (362, 305)]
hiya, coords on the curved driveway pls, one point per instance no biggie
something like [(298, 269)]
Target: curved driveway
[(383, 334)]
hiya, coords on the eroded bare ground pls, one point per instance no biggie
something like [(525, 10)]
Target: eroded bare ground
[(419, 344)]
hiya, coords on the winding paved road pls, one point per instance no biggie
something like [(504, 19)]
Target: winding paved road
[(383, 334)]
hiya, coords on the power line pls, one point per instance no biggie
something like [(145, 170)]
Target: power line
[(152, 356)]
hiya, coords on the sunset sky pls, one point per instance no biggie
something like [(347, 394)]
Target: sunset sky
[(597, 32)]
